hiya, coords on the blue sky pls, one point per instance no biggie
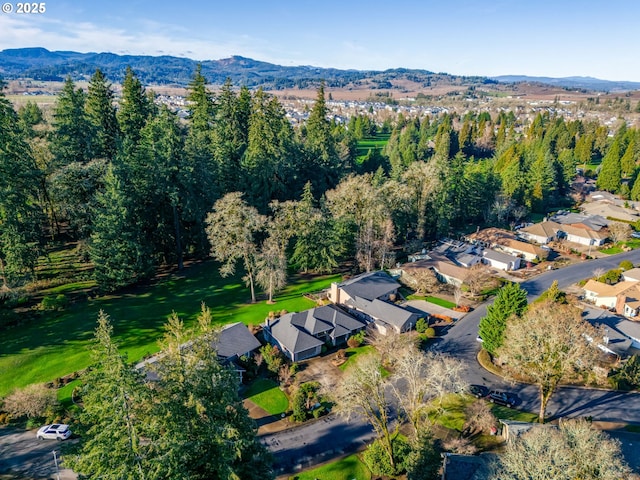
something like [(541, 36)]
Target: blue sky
[(467, 37)]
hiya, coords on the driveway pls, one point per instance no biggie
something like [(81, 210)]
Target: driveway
[(23, 455), (422, 306)]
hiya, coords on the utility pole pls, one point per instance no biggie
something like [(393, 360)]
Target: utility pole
[(55, 460)]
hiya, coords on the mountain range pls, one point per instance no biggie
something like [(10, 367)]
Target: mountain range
[(45, 65)]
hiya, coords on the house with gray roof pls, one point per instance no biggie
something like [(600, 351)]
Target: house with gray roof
[(301, 335), (368, 285), (235, 341), (499, 260), (368, 297), (232, 342)]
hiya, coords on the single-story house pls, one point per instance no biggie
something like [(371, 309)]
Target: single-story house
[(449, 273), (604, 295), (581, 220), (542, 233), (501, 261), (584, 236), (301, 335), (632, 275), (385, 316), (611, 211), (488, 237), (235, 341), (445, 270), (526, 250), (512, 429), (466, 467), (232, 342), (368, 285)]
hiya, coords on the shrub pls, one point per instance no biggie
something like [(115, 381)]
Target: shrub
[(59, 302), (356, 340), (421, 325), (33, 401), (318, 412), (377, 460), (626, 265), (430, 332), (272, 357)]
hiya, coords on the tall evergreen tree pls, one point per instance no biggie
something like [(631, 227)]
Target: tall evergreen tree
[(119, 249), (510, 300), (230, 135), (113, 419), (101, 114), (199, 163), (609, 178), (202, 430), (71, 137), (267, 159), (20, 212), (321, 145), (135, 109)]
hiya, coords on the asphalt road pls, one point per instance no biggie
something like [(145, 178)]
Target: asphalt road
[(23, 455), (295, 447), (460, 341)]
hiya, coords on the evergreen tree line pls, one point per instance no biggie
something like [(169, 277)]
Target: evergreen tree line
[(137, 187)]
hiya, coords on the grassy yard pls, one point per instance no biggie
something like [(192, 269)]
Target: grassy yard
[(266, 394), (440, 301), (452, 413), (612, 250), (435, 300), (348, 468), (354, 353), (57, 343)]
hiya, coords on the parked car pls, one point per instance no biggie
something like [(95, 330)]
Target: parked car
[(54, 432), (635, 234), (478, 391), (501, 398)]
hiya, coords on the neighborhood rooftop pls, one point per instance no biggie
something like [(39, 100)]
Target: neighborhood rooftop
[(369, 285)]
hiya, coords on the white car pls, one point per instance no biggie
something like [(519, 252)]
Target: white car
[(54, 432)]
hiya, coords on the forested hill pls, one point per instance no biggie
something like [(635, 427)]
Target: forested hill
[(41, 64), (588, 83)]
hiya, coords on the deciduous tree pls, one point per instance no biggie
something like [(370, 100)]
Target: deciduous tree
[(549, 344), (619, 231), (231, 228), (574, 450)]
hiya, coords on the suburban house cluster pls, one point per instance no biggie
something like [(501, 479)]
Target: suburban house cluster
[(358, 303), (623, 297)]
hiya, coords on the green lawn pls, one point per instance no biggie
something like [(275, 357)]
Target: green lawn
[(452, 414), (373, 143), (354, 353), (349, 468), (612, 250), (266, 394), (440, 301), (57, 344), (435, 300)]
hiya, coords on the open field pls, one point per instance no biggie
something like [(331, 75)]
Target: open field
[(56, 343), (373, 143)]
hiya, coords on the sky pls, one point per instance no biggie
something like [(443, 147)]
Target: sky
[(555, 38)]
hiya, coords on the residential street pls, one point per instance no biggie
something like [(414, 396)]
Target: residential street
[(336, 435)]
